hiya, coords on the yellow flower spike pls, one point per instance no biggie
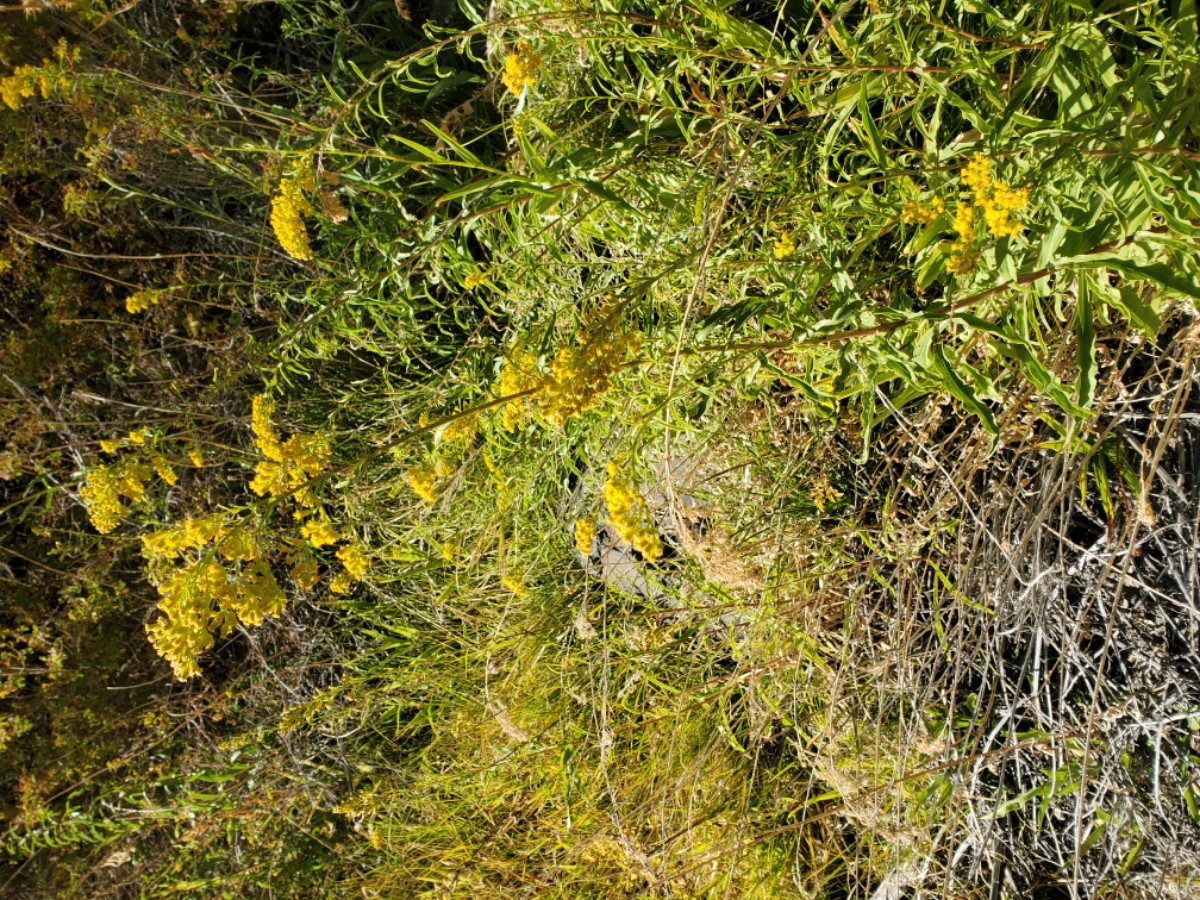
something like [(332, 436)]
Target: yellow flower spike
[(629, 515), (341, 583), (290, 464), (288, 209), (104, 507), (196, 457), (164, 469), (520, 68), (915, 212), (585, 535)]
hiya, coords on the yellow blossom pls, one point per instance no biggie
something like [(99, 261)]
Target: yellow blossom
[(422, 483), (518, 374), (921, 212), (18, 87), (629, 515), (141, 301), (305, 573), (110, 447), (994, 198), (104, 506), (164, 469), (579, 376), (288, 209), (516, 585), (520, 68), (585, 535), (139, 436), (354, 557), (290, 464), (196, 456), (319, 533), (785, 246), (472, 281)]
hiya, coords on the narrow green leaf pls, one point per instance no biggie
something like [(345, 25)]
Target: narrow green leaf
[(1085, 346), (962, 391)]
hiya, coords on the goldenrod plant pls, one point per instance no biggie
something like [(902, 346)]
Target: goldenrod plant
[(599, 450)]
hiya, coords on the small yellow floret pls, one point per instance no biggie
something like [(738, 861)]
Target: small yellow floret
[(785, 246)]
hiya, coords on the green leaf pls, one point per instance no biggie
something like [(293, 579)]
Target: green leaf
[(873, 140), (1159, 273), (961, 391), (1085, 346)]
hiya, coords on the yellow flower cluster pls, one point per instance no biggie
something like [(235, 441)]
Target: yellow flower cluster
[(962, 258), (578, 377), (423, 483), (26, 81), (917, 212), (991, 198), (105, 487), (785, 246), (140, 301), (188, 535), (163, 469), (460, 429), (629, 515), (288, 209), (585, 535), (994, 198), (305, 572), (354, 558), (472, 281), (18, 87), (518, 374), (354, 562), (319, 533), (290, 464), (516, 585), (203, 596), (520, 68)]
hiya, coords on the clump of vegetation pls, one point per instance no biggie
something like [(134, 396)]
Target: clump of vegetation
[(599, 450)]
